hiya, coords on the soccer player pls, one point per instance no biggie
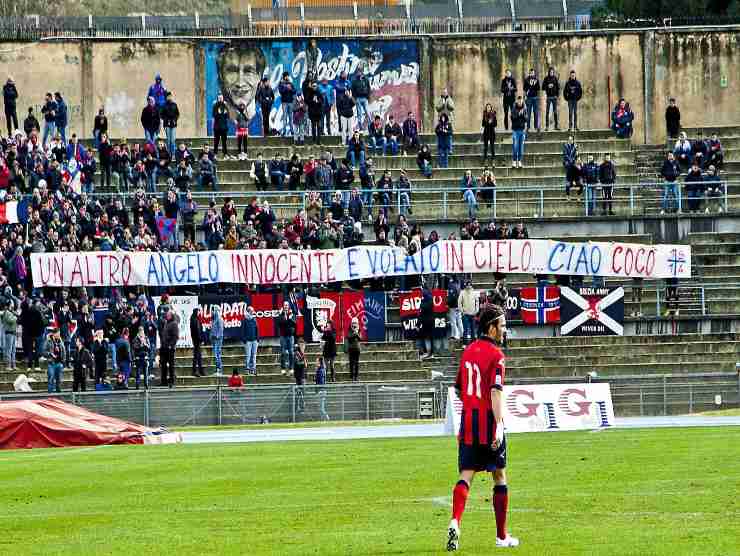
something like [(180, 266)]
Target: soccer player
[(481, 442)]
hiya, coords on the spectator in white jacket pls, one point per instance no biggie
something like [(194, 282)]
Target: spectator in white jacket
[(469, 304)]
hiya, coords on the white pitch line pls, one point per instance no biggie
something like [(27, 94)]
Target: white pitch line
[(419, 430)]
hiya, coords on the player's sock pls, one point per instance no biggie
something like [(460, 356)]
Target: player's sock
[(500, 507), (459, 497)]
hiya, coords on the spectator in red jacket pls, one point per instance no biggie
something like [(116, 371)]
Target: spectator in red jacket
[(235, 380)]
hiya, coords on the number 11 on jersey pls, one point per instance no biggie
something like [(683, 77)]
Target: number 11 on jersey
[(473, 379)]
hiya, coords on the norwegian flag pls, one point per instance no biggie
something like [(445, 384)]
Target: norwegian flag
[(540, 305)]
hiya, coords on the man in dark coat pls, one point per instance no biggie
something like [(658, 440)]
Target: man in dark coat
[(672, 119), (196, 333), (170, 335), (150, 120), (10, 96), (572, 93), (426, 323)]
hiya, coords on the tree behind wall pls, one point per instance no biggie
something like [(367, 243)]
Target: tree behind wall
[(656, 9)]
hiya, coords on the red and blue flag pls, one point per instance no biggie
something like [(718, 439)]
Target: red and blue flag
[(540, 305), (166, 227)]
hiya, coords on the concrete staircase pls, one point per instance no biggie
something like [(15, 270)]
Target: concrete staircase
[(526, 358)]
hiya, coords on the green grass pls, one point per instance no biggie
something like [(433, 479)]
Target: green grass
[(647, 492)]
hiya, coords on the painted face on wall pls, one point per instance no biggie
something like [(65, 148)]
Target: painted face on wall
[(240, 71)]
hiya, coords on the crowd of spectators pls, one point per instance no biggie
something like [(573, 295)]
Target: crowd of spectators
[(57, 181), (700, 162)]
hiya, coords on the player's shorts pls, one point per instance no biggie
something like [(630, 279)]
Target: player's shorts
[(479, 457)]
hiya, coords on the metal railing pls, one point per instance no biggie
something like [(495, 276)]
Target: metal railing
[(408, 19), (254, 404), (648, 394), (490, 202)]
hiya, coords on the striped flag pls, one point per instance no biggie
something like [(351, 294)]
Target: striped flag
[(14, 212)]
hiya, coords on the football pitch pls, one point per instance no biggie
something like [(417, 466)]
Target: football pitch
[(622, 492)]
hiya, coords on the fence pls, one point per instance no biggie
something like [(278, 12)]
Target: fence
[(649, 394), (354, 19), (537, 201)]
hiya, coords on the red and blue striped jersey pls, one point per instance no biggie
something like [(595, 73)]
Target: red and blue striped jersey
[(481, 369)]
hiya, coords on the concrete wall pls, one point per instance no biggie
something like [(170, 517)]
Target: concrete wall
[(473, 69), (700, 69), (41, 68), (122, 74)]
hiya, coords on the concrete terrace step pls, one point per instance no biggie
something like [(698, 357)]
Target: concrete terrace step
[(676, 348), (231, 362), (706, 249), (721, 130), (275, 140), (716, 270), (560, 341), (477, 167), (602, 361), (470, 154), (598, 148), (714, 237), (582, 370), (715, 259)]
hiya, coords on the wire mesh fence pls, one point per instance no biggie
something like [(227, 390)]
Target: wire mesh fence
[(643, 395)]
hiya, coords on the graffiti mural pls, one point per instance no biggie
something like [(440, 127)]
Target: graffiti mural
[(235, 68)]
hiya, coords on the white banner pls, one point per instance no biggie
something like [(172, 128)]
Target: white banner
[(280, 266), (182, 306), (546, 407)]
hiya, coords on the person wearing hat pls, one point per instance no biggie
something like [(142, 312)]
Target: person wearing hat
[(55, 355), (10, 96)]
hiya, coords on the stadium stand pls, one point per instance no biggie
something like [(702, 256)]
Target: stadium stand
[(520, 194)]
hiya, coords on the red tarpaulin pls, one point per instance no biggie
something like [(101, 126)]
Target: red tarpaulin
[(53, 423)]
